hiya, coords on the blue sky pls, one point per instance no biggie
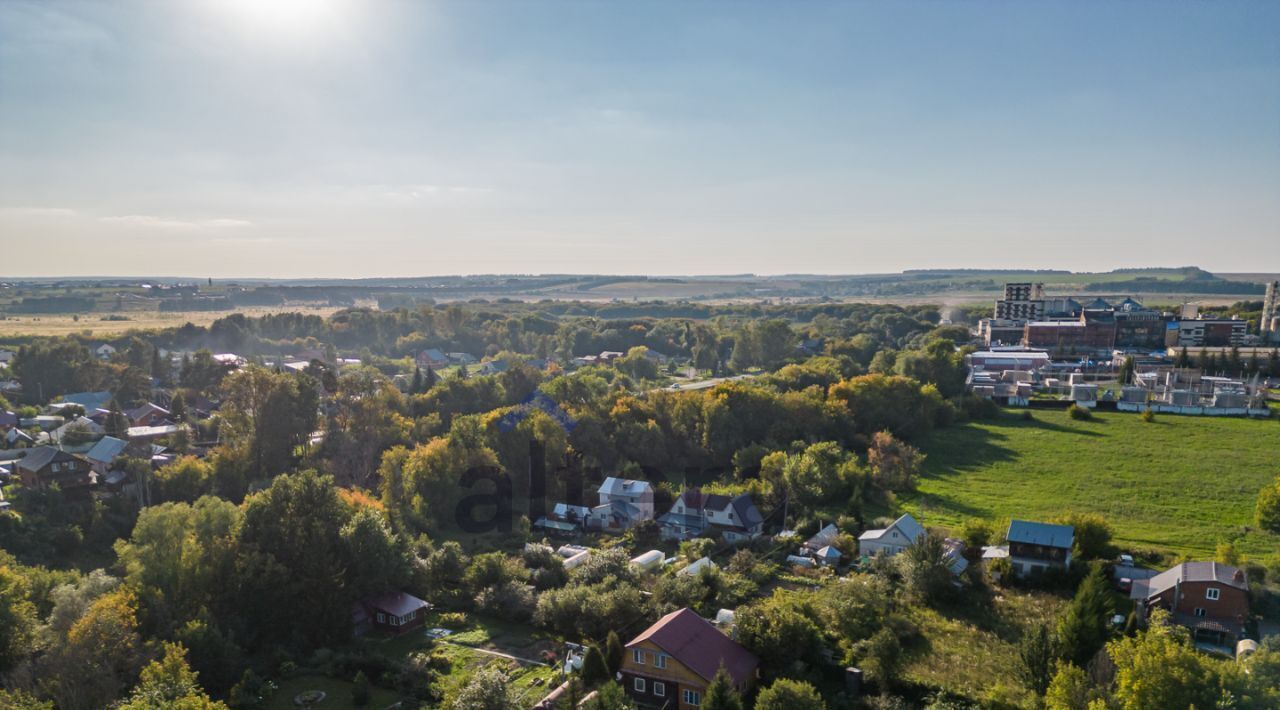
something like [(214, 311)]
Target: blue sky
[(392, 137)]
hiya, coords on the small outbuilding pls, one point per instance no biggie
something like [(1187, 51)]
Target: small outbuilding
[(396, 612)]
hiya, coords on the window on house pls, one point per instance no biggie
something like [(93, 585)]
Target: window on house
[(639, 685), (638, 656), (660, 660), (1212, 593), (382, 618), (659, 689), (1199, 611), (692, 697)]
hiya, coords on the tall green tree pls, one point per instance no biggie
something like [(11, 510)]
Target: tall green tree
[(926, 568), (50, 368), (17, 619), (721, 693), (594, 668), (1082, 631), (269, 415), (1159, 668), (296, 525), (1038, 658), (614, 652), (170, 684)]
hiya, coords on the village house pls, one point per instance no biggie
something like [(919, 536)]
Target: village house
[(1210, 599), (1036, 547), (104, 351), (16, 438), (671, 663), (46, 466), (90, 401), (432, 357), (394, 612), (103, 453), (698, 514), (823, 538), (636, 493), (891, 540), (152, 433), (148, 414)]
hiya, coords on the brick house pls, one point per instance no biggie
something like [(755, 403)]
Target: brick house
[(1210, 599), (670, 664)]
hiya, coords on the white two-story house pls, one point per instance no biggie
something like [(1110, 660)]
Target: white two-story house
[(697, 514), (891, 540)]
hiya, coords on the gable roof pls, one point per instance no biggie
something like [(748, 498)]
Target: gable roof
[(1043, 534), (699, 646), (42, 456), (747, 515), (139, 412), (1191, 572), (89, 400), (106, 450), (624, 487), (396, 603), (905, 524), (434, 355), (15, 435), (823, 537)]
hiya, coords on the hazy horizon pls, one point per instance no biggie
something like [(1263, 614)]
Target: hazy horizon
[(387, 138)]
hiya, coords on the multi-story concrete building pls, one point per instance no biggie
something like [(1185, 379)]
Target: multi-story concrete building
[(1022, 301)]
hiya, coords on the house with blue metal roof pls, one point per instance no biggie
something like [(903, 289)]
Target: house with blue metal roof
[(1036, 547)]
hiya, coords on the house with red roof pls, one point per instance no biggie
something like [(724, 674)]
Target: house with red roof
[(671, 663), (1210, 599)]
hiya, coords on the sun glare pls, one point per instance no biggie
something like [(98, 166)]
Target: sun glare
[(297, 18)]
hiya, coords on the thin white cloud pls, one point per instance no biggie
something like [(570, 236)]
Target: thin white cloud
[(38, 211), (424, 191), (152, 221)]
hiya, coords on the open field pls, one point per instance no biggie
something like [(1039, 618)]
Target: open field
[(959, 647), (90, 323), (481, 644), (1179, 484)]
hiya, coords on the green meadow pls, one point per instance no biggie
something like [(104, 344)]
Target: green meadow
[(1178, 484)]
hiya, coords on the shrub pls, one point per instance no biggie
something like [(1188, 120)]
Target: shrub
[(1148, 415), (453, 620), (1001, 570), (1267, 511), (360, 690), (1079, 413), (1027, 416)]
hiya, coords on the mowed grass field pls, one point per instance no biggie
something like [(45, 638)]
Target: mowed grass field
[(1178, 484), (91, 323)]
